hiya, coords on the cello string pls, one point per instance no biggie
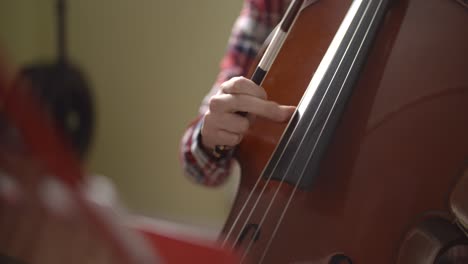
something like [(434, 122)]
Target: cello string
[(305, 4), (334, 104), (268, 61), (295, 154), (303, 138), (258, 180), (280, 34)]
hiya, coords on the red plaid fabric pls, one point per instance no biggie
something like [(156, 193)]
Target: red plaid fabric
[(255, 22)]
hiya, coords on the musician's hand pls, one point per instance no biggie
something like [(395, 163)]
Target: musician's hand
[(222, 126)]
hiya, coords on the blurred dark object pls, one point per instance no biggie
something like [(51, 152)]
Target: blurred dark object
[(457, 254), (63, 90)]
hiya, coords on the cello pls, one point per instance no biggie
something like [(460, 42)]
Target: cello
[(372, 167)]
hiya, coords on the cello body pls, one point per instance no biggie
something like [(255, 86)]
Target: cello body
[(398, 149)]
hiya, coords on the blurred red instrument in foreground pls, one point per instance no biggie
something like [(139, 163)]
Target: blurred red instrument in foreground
[(45, 216)]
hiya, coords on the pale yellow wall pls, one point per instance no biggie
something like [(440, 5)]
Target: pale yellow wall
[(149, 63), (26, 31)]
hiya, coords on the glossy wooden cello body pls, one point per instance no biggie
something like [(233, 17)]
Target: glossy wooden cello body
[(354, 192)]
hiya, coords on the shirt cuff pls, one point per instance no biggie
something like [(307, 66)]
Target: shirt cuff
[(206, 153), (213, 170)]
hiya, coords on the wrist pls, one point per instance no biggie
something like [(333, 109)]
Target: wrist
[(209, 151)]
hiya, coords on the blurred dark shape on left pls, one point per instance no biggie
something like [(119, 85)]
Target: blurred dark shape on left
[(64, 93), (8, 260), (62, 90)]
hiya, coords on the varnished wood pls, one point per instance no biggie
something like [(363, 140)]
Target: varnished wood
[(397, 152)]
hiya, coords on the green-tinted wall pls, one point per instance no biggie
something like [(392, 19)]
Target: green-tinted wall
[(150, 64)]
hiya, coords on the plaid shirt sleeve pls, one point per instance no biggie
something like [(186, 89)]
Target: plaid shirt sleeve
[(255, 22)]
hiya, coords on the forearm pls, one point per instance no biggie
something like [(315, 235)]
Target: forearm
[(198, 163), (256, 21)]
